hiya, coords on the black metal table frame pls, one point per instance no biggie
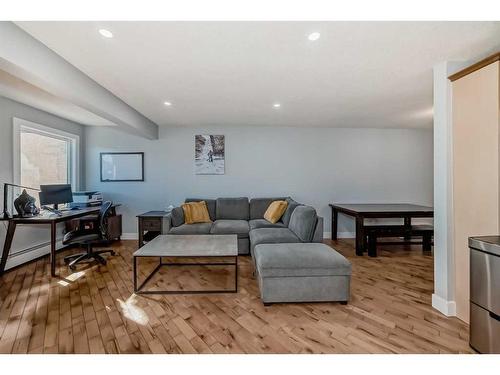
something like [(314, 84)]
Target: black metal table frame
[(138, 289)]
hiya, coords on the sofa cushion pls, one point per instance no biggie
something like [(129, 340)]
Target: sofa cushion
[(239, 227), (258, 206), (292, 205), (303, 222), (177, 216), (271, 235), (232, 209), (263, 223), (210, 205), (300, 260), (200, 228)]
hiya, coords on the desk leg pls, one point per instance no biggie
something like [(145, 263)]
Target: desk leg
[(407, 225), (335, 220), (360, 235), (7, 245), (53, 226)]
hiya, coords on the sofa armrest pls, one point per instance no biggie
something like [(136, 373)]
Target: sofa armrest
[(318, 231), (167, 224)]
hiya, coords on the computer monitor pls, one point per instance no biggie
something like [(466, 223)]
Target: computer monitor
[(55, 194)]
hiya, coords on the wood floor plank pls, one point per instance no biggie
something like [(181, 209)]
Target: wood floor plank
[(15, 289), (27, 320), (94, 310)]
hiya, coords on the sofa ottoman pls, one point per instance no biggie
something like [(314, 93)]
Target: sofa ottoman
[(301, 272)]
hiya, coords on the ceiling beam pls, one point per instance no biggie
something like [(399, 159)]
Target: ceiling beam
[(26, 58)]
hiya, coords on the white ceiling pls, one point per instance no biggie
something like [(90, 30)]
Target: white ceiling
[(358, 74), (21, 91)]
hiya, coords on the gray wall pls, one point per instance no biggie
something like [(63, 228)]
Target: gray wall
[(29, 241), (315, 166)]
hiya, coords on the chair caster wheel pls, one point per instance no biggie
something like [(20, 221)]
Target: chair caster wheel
[(72, 268), (113, 253), (100, 260)]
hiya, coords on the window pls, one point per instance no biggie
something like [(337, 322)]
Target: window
[(43, 155)]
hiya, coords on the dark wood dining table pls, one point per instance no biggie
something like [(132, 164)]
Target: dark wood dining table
[(362, 211)]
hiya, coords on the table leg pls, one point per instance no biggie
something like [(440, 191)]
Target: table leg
[(407, 225), (360, 235), (335, 218), (7, 245), (141, 234), (427, 243), (53, 248), (372, 245), (135, 274), (236, 274)]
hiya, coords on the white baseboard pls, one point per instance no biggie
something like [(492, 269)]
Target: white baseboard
[(448, 308), (27, 255), (130, 236), (328, 235)]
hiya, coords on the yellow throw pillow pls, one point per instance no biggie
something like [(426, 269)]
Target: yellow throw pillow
[(275, 211), (196, 212)]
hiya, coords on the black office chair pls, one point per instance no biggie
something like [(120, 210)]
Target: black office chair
[(89, 238)]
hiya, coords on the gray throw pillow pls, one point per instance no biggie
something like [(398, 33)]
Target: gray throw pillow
[(177, 215), (303, 222), (292, 205)]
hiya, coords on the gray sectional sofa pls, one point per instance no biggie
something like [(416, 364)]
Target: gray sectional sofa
[(245, 218)]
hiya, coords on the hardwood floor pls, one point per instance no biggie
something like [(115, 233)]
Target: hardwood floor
[(95, 311)]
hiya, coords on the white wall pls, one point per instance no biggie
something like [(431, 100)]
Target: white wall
[(315, 166), (443, 298), (29, 241)]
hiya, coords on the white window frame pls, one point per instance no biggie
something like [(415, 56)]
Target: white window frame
[(19, 125)]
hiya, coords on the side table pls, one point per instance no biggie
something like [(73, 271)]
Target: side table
[(150, 225)]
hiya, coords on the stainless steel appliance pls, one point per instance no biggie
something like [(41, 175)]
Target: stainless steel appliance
[(485, 294)]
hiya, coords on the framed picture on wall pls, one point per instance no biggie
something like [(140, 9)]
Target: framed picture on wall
[(209, 154), (122, 166)]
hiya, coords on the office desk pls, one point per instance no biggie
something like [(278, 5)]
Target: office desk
[(45, 219)]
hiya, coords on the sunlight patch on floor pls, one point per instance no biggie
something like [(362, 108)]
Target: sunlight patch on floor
[(71, 278), (133, 312)]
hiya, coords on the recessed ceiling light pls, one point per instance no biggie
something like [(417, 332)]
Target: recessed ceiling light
[(276, 105), (168, 104), (106, 33), (314, 36)]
